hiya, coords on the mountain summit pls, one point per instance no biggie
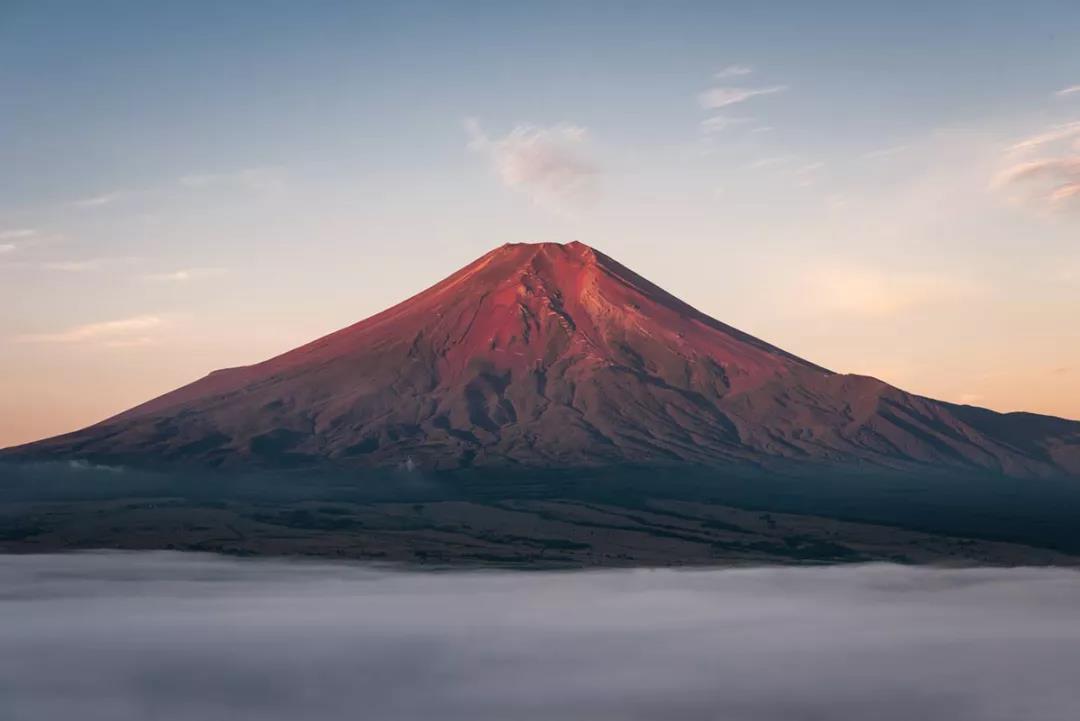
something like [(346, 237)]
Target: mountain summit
[(556, 356)]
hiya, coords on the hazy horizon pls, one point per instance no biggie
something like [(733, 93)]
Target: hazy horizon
[(201, 186)]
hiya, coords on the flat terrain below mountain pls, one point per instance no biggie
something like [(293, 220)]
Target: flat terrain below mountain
[(524, 533), (628, 517)]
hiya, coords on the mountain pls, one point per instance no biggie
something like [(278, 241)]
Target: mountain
[(551, 356)]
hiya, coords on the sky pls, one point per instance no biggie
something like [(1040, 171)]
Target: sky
[(886, 190)]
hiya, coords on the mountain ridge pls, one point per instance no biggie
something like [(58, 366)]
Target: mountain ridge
[(557, 356)]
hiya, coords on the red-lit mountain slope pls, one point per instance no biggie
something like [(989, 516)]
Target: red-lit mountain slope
[(557, 356)]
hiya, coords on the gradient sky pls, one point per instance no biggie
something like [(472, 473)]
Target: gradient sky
[(884, 190)]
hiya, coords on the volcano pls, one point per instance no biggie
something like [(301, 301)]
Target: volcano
[(552, 356)]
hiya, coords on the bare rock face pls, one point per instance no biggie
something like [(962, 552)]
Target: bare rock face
[(556, 356)]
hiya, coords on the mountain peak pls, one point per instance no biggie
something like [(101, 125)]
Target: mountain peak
[(569, 257), (555, 355), (573, 246)]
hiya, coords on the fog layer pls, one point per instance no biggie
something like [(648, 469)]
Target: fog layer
[(170, 637)]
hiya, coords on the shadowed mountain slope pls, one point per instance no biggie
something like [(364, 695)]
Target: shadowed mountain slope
[(556, 356)]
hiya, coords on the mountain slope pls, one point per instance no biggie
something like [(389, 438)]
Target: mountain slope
[(556, 356)]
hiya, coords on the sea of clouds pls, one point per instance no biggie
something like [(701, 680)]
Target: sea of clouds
[(171, 637)]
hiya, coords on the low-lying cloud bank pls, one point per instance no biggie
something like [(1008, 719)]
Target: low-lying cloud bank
[(119, 636)]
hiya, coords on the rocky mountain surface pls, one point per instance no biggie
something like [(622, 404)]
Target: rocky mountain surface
[(557, 356)]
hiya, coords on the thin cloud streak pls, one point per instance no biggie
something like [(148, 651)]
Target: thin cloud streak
[(1055, 180), (1071, 90), (184, 275), (722, 97), (771, 162), (97, 201), (720, 123), (18, 234), (888, 152), (733, 71), (1065, 131), (260, 179), (85, 265), (139, 342), (1052, 179), (806, 175), (111, 331)]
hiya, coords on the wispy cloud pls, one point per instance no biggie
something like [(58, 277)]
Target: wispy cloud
[(184, 275), (771, 162), (134, 342), (97, 201), (85, 264), (110, 332), (1042, 170), (733, 71), (6, 248), (804, 173), (17, 234), (887, 152), (721, 97), (1052, 179), (807, 174), (548, 164), (1053, 135), (719, 123), (261, 179)]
